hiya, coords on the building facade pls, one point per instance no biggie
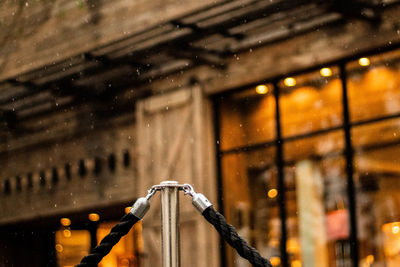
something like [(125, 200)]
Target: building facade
[(284, 113)]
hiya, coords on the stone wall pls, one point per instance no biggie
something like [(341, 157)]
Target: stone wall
[(69, 170)]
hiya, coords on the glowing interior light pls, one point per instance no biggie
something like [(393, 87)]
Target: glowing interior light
[(370, 259), (65, 222), (67, 233), (272, 193), (290, 81), (262, 89), (59, 248), (127, 210), (326, 72), (275, 261), (391, 228), (364, 61), (94, 217)]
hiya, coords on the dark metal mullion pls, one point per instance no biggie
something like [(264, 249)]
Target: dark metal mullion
[(377, 119), (92, 227), (281, 177), (251, 147), (248, 148), (349, 154), (220, 187)]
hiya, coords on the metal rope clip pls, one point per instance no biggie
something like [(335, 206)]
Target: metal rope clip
[(142, 204), (150, 193), (199, 201), (188, 190)]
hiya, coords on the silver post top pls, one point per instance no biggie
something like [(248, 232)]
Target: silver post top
[(169, 183)]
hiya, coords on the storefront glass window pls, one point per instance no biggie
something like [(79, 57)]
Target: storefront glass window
[(317, 165), (71, 246), (316, 202), (377, 176), (250, 202), (310, 102), (123, 253), (374, 86), (247, 118)]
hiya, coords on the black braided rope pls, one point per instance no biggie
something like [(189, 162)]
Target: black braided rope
[(230, 235), (109, 241)]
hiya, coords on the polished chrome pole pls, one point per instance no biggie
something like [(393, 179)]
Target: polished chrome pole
[(170, 220)]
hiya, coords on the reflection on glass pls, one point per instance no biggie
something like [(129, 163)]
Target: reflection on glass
[(251, 203), (311, 102), (374, 86), (247, 118), (316, 202), (377, 177), (71, 246)]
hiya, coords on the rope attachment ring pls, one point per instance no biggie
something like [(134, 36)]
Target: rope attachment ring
[(199, 201)]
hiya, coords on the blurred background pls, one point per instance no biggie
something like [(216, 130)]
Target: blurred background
[(285, 113)]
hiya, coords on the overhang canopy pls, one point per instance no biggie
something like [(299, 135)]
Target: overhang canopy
[(206, 36)]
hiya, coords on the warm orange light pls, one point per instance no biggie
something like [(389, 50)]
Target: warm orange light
[(364, 61), (292, 246), (370, 259), (125, 263), (65, 222), (94, 217), (127, 210), (326, 72), (393, 228), (296, 263), (262, 89), (67, 233), (275, 261), (272, 193), (290, 81), (59, 248)]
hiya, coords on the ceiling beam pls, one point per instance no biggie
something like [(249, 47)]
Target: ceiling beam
[(357, 9), (8, 118), (199, 56), (26, 84)]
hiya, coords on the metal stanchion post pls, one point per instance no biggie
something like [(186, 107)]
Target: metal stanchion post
[(170, 226), (170, 220)]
